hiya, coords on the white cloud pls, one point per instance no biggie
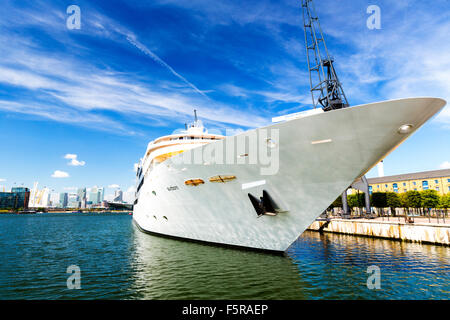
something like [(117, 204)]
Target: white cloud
[(114, 186), (74, 161), (2, 180), (60, 174), (129, 195), (77, 90), (70, 188), (445, 165)]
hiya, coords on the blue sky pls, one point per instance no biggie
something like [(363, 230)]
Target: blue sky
[(137, 69)]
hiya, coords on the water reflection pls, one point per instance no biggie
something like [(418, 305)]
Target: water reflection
[(317, 266), (335, 266), (118, 261), (173, 269)]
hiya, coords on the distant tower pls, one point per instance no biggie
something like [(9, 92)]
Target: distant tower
[(326, 90), (82, 197), (118, 196), (380, 167), (63, 199)]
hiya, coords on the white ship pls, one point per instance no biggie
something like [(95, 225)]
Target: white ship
[(262, 188)]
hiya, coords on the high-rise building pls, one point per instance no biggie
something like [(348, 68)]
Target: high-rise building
[(93, 196), (101, 194), (16, 199), (63, 200), (82, 197), (72, 200), (54, 200), (118, 196), (39, 198)]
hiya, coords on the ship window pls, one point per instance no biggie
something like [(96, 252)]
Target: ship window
[(154, 192), (140, 185), (194, 182), (154, 217), (222, 178), (165, 218)]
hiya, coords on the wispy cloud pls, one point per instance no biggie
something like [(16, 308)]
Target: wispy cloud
[(132, 39)]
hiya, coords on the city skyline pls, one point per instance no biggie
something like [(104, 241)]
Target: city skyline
[(80, 106)]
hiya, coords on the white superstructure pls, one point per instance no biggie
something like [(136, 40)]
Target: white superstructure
[(262, 188)]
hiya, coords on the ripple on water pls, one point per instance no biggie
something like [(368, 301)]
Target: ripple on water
[(117, 261)]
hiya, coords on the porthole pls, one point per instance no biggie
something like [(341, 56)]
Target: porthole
[(154, 217), (165, 218), (154, 192)]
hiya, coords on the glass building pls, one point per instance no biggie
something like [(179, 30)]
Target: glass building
[(18, 198)]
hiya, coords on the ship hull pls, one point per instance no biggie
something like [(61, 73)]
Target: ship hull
[(314, 159)]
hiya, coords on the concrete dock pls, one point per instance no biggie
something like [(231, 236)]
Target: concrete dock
[(419, 231)]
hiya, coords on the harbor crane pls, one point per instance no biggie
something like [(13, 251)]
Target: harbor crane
[(326, 89)]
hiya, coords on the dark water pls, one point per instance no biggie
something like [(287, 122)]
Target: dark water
[(117, 261)]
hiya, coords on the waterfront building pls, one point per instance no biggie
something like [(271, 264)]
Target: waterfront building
[(82, 197), (101, 194), (18, 198), (118, 196), (72, 200), (438, 180), (93, 196), (63, 200), (54, 200), (39, 198)]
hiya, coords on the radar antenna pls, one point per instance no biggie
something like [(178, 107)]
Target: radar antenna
[(326, 90)]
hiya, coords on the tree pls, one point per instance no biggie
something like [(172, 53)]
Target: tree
[(379, 200), (414, 199), (352, 201), (444, 202), (392, 201), (429, 199), (337, 203)]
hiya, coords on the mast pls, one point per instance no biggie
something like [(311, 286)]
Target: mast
[(326, 90)]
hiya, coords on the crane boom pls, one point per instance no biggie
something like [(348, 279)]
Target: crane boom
[(326, 90)]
